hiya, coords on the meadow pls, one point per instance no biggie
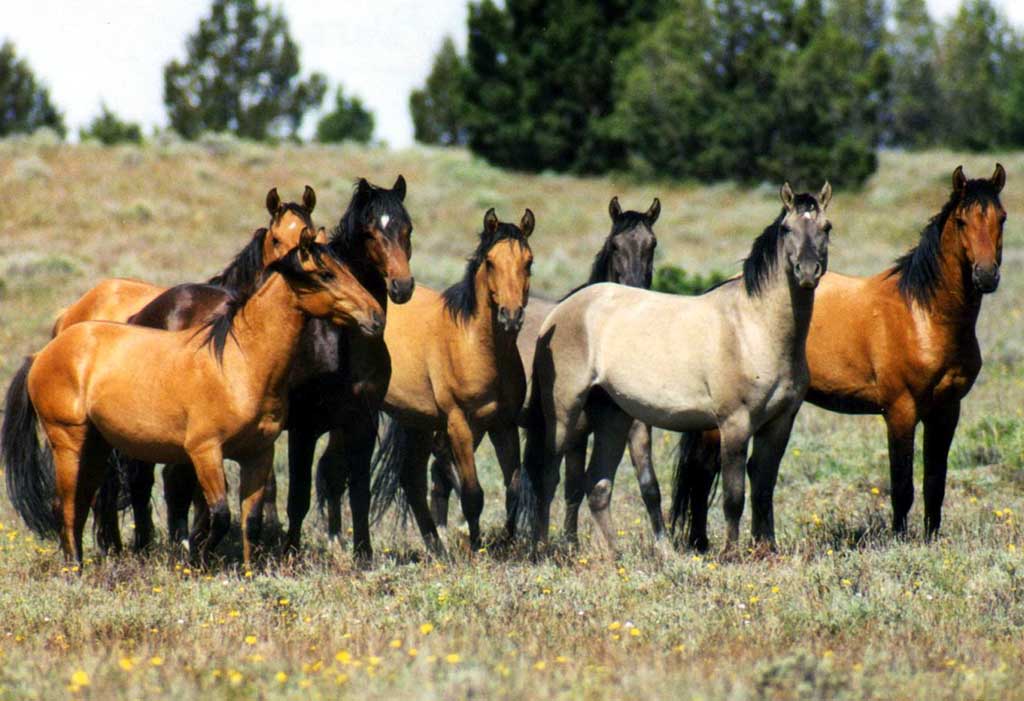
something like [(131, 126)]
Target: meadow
[(843, 611)]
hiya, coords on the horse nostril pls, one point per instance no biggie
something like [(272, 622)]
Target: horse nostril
[(519, 316)]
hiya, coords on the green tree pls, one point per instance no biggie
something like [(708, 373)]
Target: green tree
[(348, 121), (241, 75), (914, 110), (975, 68), (24, 103), (439, 108), (108, 128)]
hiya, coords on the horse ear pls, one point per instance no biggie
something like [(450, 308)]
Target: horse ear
[(273, 201), (788, 199), (614, 210), (399, 188), (306, 239), (321, 235), (490, 221), (308, 199), (526, 224), (362, 187), (654, 212), (999, 178), (826, 195), (959, 180)]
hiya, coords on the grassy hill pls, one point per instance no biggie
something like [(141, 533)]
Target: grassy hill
[(843, 612)]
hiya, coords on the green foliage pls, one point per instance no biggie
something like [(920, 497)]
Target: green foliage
[(675, 280), (240, 76), (108, 128), (349, 121), (438, 108), (24, 103), (913, 48)]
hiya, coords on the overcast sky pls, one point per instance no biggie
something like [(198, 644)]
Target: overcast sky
[(115, 50)]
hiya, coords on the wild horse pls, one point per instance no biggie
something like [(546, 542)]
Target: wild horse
[(900, 343), (732, 358), (172, 396)]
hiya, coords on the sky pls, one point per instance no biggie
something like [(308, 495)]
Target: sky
[(114, 50)]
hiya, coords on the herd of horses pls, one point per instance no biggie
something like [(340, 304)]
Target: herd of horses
[(315, 333)]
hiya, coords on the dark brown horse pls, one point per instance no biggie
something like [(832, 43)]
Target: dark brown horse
[(339, 377), (901, 343)]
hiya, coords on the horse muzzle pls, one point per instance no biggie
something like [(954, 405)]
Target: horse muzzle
[(808, 274), (399, 291), (372, 325), (511, 322), (985, 278)]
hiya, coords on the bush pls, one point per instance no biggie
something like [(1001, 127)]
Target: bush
[(675, 280)]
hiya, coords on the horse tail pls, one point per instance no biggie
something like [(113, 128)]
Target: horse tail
[(31, 477), (527, 498), (386, 471), (698, 456)]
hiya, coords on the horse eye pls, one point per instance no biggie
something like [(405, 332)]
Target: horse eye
[(529, 267), (275, 240), (828, 227), (326, 276), (490, 265), (960, 222)]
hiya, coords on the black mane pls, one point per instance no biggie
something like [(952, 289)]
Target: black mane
[(764, 254), (243, 273), (221, 327), (918, 268), (368, 203), (460, 299)]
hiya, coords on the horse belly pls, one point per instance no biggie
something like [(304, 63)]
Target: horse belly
[(678, 403)]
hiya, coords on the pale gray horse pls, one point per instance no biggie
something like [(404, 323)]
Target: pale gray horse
[(733, 359), (626, 258)]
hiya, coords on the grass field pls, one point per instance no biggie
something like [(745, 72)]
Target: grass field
[(843, 611)]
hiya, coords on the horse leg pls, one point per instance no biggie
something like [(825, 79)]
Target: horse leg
[(413, 479), (255, 472), (80, 459), (939, 428), (702, 479), (901, 420), (333, 469), (505, 439), (575, 487), (209, 468), (301, 445), (770, 443), (180, 484), (141, 479), (735, 437), (271, 521), (105, 513), (440, 485), (361, 440), (611, 431), (463, 441), (640, 455)]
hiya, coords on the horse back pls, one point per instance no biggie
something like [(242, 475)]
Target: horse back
[(182, 307), (113, 299)]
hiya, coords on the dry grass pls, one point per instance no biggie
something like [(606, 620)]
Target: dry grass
[(842, 612)]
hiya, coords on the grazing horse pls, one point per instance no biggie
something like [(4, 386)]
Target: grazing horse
[(732, 358), (626, 258), (181, 307), (900, 343), (172, 396), (456, 370), (340, 376)]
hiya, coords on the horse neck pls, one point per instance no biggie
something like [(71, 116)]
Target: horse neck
[(267, 331), (483, 327), (784, 307), (366, 272), (956, 302)]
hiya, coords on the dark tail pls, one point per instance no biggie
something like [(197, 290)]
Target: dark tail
[(528, 499), (386, 488), (30, 472), (698, 459)]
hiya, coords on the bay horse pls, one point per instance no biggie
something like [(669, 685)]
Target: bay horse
[(900, 343), (172, 396), (182, 306), (456, 371), (626, 258), (339, 377), (732, 358)]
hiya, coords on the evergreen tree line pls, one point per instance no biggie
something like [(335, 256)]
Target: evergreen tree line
[(710, 89)]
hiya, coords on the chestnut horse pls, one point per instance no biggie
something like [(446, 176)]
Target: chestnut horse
[(339, 377), (732, 358), (456, 370), (172, 396), (626, 258), (900, 343)]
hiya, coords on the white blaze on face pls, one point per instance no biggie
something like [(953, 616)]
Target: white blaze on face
[(384, 219), (808, 215)]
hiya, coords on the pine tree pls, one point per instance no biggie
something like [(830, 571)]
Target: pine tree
[(439, 108), (24, 103), (240, 76), (108, 128), (914, 109), (349, 121)]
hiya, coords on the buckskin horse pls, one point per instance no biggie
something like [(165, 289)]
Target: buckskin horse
[(172, 396), (732, 358), (900, 343)]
